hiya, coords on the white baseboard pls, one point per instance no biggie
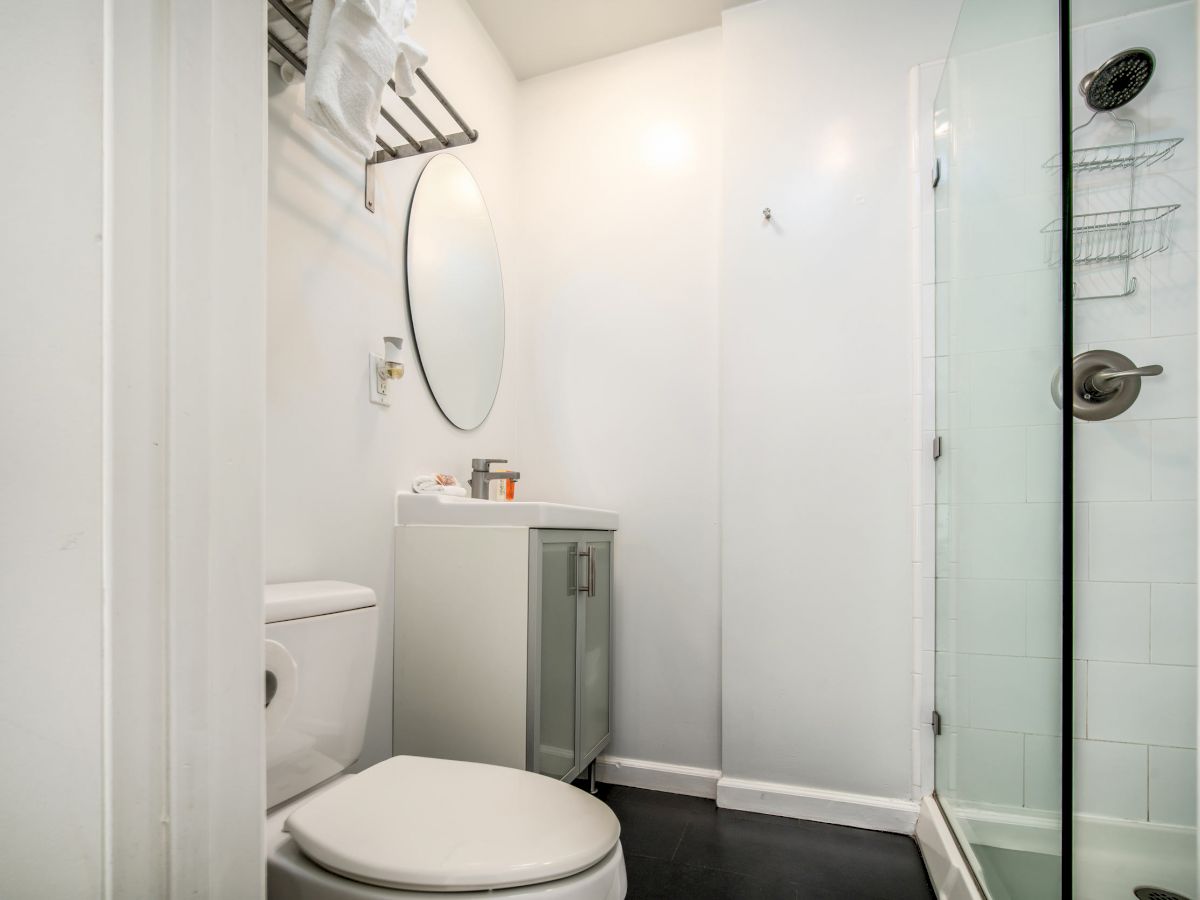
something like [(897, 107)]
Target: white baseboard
[(948, 870), (816, 805), (656, 776)]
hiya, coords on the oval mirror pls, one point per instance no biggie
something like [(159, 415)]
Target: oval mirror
[(455, 292)]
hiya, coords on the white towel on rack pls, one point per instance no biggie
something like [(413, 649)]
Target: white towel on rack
[(354, 47), (412, 57)]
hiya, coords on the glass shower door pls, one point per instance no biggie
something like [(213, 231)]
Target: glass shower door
[(999, 496)]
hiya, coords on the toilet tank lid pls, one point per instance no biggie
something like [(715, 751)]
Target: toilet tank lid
[(304, 599)]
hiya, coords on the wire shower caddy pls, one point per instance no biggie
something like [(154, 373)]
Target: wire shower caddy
[(1121, 235)]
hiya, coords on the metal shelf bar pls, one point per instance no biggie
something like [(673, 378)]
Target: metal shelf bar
[(441, 98)]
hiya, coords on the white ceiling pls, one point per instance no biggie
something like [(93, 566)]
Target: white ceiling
[(539, 36)]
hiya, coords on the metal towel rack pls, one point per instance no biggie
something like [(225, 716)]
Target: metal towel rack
[(409, 145)]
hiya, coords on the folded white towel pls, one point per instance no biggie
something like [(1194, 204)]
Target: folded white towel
[(353, 49), (433, 484)]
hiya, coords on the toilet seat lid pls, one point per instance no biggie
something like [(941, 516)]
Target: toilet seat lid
[(434, 824)]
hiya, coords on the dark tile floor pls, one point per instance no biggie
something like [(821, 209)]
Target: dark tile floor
[(685, 847)]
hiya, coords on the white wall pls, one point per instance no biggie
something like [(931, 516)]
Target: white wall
[(816, 399), (336, 287), (52, 539), (618, 176)]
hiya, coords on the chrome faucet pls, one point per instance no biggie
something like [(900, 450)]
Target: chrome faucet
[(482, 475)]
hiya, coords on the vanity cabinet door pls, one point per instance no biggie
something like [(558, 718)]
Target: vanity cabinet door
[(595, 649), (570, 652), (554, 627)]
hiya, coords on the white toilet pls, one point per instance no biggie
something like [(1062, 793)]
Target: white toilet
[(409, 827)]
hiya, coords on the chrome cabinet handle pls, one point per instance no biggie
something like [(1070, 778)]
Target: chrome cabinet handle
[(590, 587)]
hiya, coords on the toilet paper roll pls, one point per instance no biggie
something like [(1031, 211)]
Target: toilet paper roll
[(281, 678)]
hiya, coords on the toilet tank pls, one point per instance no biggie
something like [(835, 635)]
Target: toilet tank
[(320, 659)]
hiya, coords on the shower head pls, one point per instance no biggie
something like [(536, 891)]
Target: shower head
[(1118, 80)]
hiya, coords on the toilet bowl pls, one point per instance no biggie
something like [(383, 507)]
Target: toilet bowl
[(408, 827)]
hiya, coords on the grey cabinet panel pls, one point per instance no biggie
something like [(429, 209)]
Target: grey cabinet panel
[(570, 650), (556, 711), (595, 658)]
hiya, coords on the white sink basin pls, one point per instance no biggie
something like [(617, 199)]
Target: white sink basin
[(438, 509)]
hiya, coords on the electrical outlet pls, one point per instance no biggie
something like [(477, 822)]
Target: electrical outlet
[(377, 385)]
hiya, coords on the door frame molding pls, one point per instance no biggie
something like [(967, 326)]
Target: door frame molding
[(185, 296)]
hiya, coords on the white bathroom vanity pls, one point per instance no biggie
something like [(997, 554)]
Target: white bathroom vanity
[(503, 632)]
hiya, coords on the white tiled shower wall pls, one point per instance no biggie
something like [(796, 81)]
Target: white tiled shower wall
[(1135, 476), (1135, 487)]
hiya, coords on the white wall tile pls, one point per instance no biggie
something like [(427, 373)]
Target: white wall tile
[(1173, 786), (935, 259), (928, 319), (1173, 624), (1009, 540), (1079, 694), (989, 465), (1173, 292), (942, 320), (1081, 544), (1112, 460), (1043, 772), (1137, 703), (1000, 312), (1174, 459), (1143, 541), (1043, 463), (1012, 387), (951, 688), (991, 616), (990, 766), (946, 590), (1116, 318), (1015, 693), (1112, 621), (1110, 779), (1043, 619), (927, 519), (928, 392)]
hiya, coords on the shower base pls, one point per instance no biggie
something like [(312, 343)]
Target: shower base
[(1017, 856)]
